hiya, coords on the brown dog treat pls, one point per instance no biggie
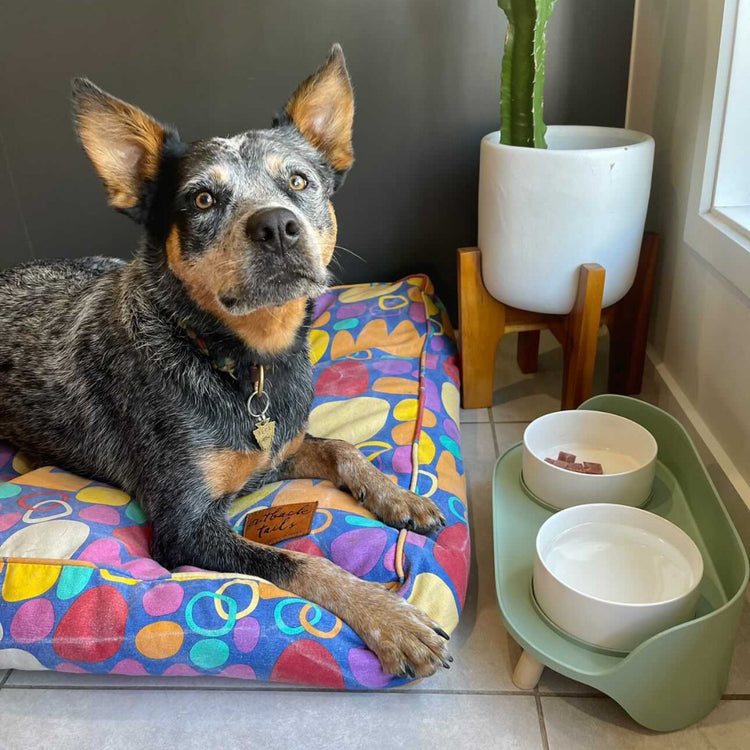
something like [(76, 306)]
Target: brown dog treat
[(557, 462), (591, 467), (577, 467), (568, 458)]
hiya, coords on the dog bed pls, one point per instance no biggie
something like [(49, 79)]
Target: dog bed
[(80, 593)]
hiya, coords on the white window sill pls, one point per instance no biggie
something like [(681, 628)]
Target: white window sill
[(738, 218), (723, 243)]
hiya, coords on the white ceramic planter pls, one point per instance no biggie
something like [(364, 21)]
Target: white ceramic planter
[(544, 212)]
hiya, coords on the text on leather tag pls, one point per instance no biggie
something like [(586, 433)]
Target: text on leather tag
[(279, 522)]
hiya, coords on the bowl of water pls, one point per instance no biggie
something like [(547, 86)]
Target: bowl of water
[(582, 456), (612, 576)]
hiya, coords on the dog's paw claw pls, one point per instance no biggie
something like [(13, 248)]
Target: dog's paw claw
[(405, 510), (406, 641), (442, 633)]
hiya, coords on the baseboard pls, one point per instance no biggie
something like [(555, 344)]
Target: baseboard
[(733, 487)]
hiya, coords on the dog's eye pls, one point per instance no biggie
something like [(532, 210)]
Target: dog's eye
[(204, 200), (297, 182)]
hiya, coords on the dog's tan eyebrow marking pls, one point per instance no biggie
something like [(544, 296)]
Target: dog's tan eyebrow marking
[(220, 173), (274, 163)]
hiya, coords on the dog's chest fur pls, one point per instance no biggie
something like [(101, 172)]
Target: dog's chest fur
[(97, 379)]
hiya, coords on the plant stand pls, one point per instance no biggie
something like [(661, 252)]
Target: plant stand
[(483, 321)]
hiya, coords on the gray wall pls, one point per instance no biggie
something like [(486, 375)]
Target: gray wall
[(426, 76)]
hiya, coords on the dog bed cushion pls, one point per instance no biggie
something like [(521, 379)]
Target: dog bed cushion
[(80, 593)]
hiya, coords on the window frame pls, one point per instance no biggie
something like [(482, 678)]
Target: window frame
[(713, 235)]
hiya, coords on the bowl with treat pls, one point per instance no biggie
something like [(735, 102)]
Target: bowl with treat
[(581, 456)]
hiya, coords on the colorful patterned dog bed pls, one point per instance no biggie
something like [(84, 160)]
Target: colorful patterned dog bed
[(81, 594)]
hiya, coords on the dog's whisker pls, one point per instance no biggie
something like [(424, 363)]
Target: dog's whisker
[(351, 252)]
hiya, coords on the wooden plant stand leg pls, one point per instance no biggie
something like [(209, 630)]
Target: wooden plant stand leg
[(481, 323), (528, 351), (628, 329), (582, 332), (528, 672)]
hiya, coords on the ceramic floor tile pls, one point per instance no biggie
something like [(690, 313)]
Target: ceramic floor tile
[(600, 724), (483, 652), (478, 450), (113, 719), (553, 683), (474, 415), (520, 397), (739, 674)]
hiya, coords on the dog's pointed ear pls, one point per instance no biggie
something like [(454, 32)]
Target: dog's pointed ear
[(123, 143), (322, 109)]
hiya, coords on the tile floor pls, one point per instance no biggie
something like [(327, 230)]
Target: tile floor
[(475, 704)]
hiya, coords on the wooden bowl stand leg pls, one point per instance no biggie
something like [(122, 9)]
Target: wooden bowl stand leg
[(483, 321), (528, 672)]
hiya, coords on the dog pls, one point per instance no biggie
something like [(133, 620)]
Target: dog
[(184, 376)]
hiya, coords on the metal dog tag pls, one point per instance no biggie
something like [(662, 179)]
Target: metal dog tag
[(265, 428), (264, 432)]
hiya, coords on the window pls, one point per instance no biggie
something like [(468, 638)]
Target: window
[(732, 188), (718, 221)]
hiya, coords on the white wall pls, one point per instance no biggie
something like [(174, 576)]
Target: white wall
[(701, 322)]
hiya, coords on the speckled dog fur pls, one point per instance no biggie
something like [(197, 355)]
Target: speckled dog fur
[(99, 375)]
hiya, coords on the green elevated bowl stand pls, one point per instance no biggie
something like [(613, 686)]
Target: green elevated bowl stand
[(679, 675)]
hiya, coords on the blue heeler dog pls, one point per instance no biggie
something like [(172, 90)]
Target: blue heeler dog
[(184, 376)]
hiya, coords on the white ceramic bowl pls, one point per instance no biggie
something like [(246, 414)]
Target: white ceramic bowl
[(613, 576), (626, 451)]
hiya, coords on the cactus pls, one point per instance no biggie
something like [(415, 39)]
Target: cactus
[(521, 114)]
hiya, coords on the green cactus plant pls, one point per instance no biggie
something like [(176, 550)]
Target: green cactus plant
[(521, 113)]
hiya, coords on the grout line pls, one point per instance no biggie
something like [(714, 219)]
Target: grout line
[(16, 196), (494, 434), (600, 696), (542, 725), (572, 694)]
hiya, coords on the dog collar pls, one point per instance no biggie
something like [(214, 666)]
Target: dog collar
[(223, 364), (258, 402)]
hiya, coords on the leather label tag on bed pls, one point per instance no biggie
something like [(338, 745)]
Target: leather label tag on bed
[(280, 522)]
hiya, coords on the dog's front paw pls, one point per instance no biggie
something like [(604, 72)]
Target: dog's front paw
[(405, 640), (400, 508)]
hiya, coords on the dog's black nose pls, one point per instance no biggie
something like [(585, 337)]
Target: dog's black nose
[(274, 228)]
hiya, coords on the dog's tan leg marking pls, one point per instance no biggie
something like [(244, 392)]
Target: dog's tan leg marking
[(347, 468), (290, 448), (226, 471), (268, 331), (405, 640)]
